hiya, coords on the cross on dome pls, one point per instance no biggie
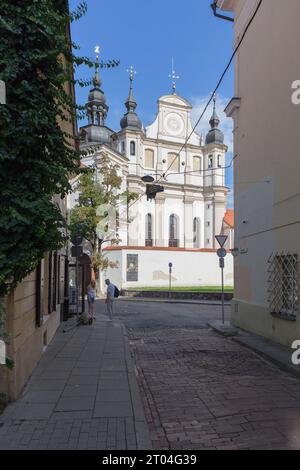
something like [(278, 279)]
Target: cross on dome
[(174, 77)]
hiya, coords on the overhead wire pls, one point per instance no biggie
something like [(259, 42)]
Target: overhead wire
[(210, 99)]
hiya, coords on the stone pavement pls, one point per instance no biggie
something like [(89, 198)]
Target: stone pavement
[(204, 391), (82, 395)]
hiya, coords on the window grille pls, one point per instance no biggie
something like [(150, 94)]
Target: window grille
[(283, 284)]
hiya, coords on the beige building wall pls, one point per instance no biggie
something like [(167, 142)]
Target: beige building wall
[(27, 341), (267, 166)]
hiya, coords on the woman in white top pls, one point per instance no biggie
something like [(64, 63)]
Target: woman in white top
[(91, 297)]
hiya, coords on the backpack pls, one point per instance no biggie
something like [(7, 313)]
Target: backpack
[(117, 292)]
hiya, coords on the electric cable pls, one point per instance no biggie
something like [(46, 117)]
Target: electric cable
[(211, 98), (207, 105)]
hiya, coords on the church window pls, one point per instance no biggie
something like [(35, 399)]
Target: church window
[(173, 231), (173, 162), (210, 161), (219, 161), (149, 240), (132, 148), (149, 158), (123, 147), (196, 232), (197, 164)]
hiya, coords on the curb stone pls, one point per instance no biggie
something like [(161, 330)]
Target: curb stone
[(142, 431)]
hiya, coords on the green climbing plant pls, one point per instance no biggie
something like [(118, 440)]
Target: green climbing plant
[(37, 153)]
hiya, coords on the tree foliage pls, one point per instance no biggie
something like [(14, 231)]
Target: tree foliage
[(36, 155), (94, 192)]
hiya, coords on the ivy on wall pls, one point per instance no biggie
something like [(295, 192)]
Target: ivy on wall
[(36, 155)]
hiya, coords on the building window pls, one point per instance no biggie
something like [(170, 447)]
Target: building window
[(174, 162), (197, 164), (208, 206), (210, 161), (173, 231), (208, 241), (132, 148), (283, 285), (149, 158), (196, 232), (149, 240), (219, 161), (123, 146), (208, 224)]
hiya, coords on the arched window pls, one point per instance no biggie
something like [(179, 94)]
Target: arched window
[(132, 148), (149, 239), (210, 161), (173, 162), (123, 147), (173, 231), (149, 158), (196, 232), (219, 161), (197, 164)]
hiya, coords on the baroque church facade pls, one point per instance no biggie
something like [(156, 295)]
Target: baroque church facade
[(190, 211)]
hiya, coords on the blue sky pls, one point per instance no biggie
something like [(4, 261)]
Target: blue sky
[(147, 35)]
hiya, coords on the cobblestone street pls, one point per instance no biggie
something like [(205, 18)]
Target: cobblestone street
[(203, 391)]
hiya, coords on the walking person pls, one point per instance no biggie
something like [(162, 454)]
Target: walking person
[(91, 297), (110, 297)]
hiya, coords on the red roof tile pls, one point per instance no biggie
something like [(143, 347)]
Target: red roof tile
[(229, 218)]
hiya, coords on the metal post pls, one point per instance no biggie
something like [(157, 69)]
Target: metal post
[(221, 239), (77, 287), (83, 288), (223, 313), (170, 278)]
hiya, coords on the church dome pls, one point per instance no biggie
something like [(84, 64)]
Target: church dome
[(131, 120), (214, 136), (98, 134), (96, 95)]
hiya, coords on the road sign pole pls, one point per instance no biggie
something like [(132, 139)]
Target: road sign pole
[(221, 239), (223, 313), (77, 288), (170, 278)]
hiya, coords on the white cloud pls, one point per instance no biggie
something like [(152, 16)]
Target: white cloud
[(226, 124)]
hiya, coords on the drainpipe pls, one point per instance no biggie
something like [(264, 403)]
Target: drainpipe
[(214, 7)]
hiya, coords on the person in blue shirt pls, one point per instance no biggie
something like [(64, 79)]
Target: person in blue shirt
[(110, 297)]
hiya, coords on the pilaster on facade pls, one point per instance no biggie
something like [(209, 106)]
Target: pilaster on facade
[(160, 239)]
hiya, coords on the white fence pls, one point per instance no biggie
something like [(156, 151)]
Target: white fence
[(149, 267)]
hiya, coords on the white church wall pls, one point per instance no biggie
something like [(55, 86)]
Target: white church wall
[(114, 274), (190, 268)]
